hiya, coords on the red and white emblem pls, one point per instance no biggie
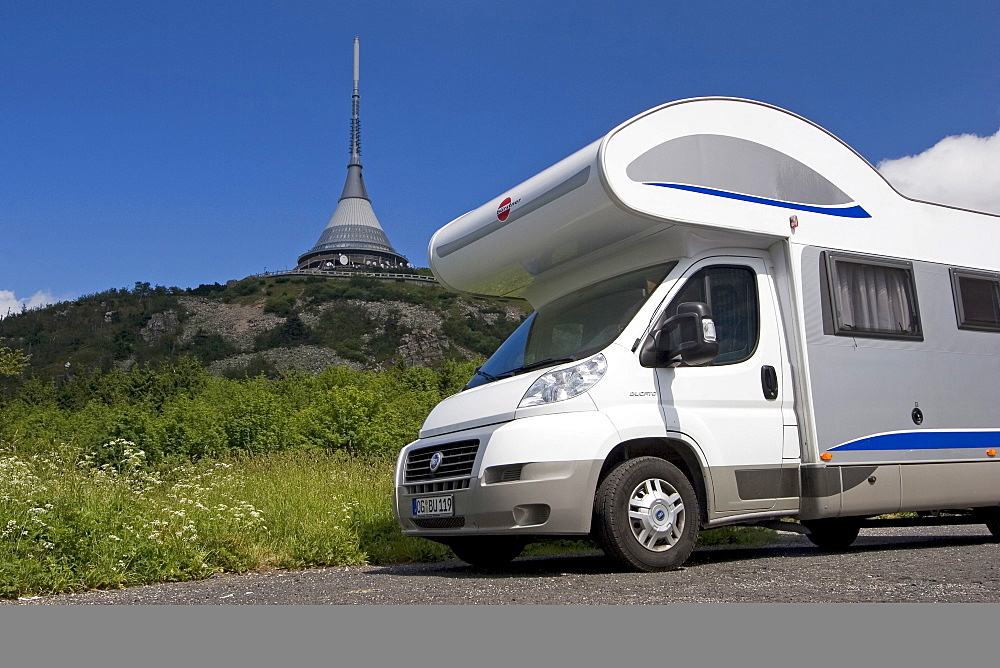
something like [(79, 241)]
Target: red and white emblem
[(504, 209)]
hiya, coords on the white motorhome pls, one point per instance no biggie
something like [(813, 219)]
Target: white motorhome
[(737, 321)]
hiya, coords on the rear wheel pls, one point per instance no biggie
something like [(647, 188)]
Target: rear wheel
[(646, 515), (487, 551), (991, 517), (835, 533)]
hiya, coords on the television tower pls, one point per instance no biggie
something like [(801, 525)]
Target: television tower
[(353, 239)]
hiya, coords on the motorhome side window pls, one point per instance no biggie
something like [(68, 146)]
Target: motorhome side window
[(977, 299), (873, 297), (731, 293)]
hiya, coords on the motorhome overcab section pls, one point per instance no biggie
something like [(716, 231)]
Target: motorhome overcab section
[(737, 321)]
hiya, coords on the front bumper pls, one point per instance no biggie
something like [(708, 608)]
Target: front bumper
[(532, 476)]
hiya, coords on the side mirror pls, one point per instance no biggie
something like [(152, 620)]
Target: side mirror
[(688, 337)]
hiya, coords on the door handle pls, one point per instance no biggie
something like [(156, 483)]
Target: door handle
[(769, 382)]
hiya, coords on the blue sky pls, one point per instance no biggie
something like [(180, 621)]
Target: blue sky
[(180, 143)]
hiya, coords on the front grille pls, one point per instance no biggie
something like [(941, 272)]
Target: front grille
[(443, 486), (457, 461), (440, 522)]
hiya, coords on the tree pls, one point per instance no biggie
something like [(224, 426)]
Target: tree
[(12, 362)]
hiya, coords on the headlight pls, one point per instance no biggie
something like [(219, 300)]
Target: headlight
[(565, 383)]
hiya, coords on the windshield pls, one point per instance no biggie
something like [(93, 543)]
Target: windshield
[(573, 327)]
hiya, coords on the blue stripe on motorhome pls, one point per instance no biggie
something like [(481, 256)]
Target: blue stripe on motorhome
[(925, 440), (843, 212)]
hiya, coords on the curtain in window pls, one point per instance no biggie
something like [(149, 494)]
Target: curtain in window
[(875, 298)]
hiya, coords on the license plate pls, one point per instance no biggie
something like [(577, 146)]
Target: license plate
[(433, 506)]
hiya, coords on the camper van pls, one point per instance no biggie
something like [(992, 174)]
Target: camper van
[(737, 320)]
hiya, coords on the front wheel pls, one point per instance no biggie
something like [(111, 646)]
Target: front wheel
[(646, 515), (487, 551)]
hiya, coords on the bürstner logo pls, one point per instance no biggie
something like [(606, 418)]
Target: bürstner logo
[(436, 460), (504, 209)]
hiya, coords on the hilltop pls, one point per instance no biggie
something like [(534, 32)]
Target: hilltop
[(262, 325)]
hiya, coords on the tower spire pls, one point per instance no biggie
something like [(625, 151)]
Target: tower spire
[(355, 105), (355, 185)]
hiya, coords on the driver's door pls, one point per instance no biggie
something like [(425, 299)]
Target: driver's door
[(733, 406)]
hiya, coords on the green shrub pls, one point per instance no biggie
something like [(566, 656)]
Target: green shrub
[(352, 418), (245, 287), (293, 332), (280, 305), (12, 362), (208, 347), (254, 419)]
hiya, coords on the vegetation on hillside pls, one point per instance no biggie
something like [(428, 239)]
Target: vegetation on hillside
[(178, 413), (354, 318)]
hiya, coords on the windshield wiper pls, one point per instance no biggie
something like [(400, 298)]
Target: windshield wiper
[(480, 372), (552, 361)]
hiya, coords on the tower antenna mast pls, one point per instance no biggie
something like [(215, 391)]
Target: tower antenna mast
[(355, 105)]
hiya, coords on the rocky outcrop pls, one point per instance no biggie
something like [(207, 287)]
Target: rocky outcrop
[(237, 323), (422, 344), (159, 325), (424, 348), (308, 359)]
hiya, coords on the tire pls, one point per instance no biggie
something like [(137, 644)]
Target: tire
[(646, 515), (834, 534), (487, 551), (991, 518)]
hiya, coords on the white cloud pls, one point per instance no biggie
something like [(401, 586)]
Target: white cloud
[(8, 302), (961, 170)]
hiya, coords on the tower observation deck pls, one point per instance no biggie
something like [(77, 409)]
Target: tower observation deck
[(353, 239)]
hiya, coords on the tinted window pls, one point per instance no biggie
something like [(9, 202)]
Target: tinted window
[(977, 300), (731, 293)]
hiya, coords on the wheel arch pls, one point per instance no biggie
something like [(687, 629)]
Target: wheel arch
[(676, 451)]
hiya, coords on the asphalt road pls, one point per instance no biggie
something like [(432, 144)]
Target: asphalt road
[(934, 564)]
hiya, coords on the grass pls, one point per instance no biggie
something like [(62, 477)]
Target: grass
[(68, 524)]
